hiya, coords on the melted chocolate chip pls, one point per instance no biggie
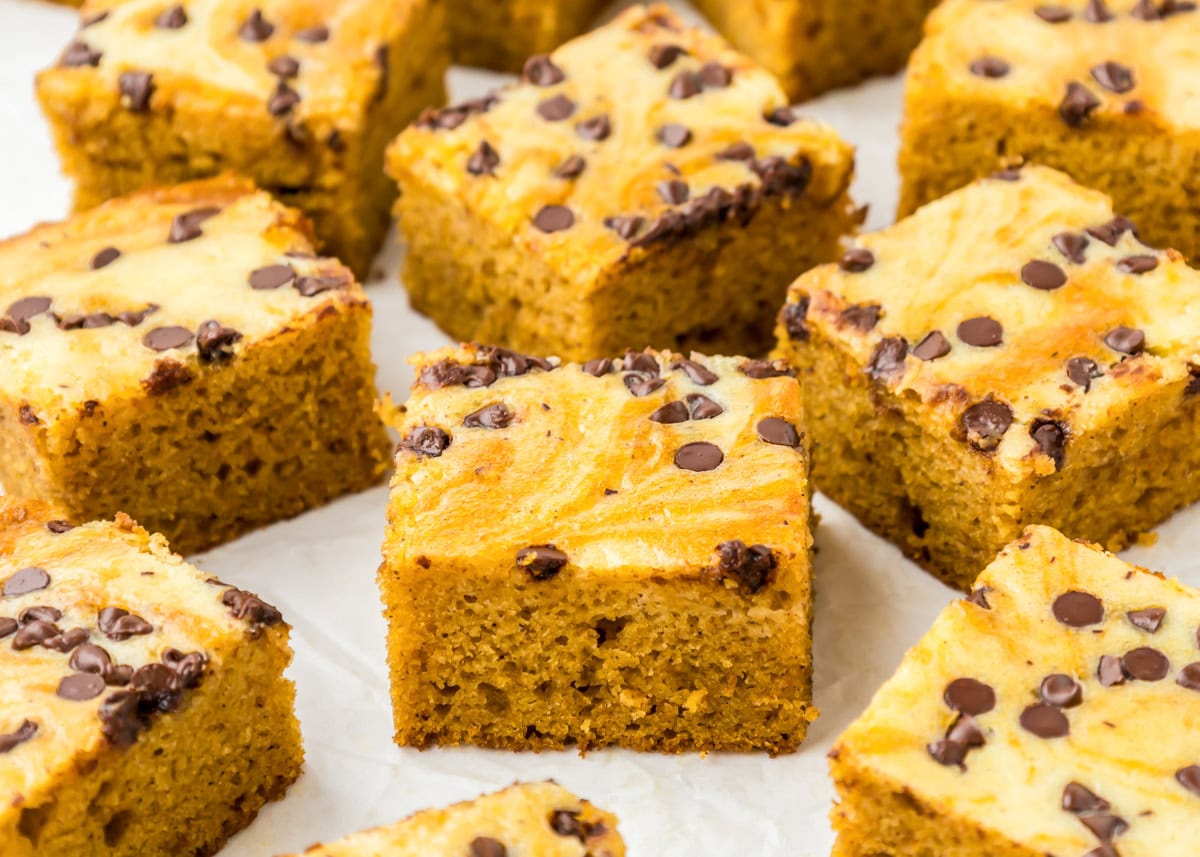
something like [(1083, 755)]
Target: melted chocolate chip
[(120, 721), (250, 608), (39, 613), (1137, 265), (1125, 340), (215, 342), (749, 566), (985, 423), (10, 740), (310, 287), (29, 579), (1149, 619), (1077, 609), (702, 407), (27, 308), (79, 687), (566, 822), (541, 561), (554, 218), (599, 367), (639, 384), (33, 634), (8, 626), (1042, 275), (760, 370), (540, 70), (888, 358), (1082, 370), (794, 317), (1051, 439), (932, 346), (67, 640), (856, 260), (429, 441), (1146, 664), (1061, 691), (862, 317), (699, 457), (136, 87), (982, 332), (779, 432), (1077, 105), (597, 128), (698, 374), (167, 338), (495, 416), (1113, 76), (483, 160), (90, 658), (969, 696), (1045, 721), (119, 624)]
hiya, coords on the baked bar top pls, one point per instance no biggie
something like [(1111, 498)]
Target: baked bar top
[(101, 628), (1083, 58), (621, 469), (539, 818), (1019, 311), (281, 58), (146, 291), (638, 132), (1057, 706)]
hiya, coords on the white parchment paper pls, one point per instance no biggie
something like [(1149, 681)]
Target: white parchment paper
[(320, 568)]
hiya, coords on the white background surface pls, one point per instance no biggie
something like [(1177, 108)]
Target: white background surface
[(320, 570)]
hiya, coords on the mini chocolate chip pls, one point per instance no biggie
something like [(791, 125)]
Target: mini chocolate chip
[(794, 317), (429, 441), (540, 70), (1149, 619), (312, 35), (29, 579), (674, 136), (698, 374), (26, 308), (27, 729), (1110, 233), (599, 367), (215, 342), (486, 846), (625, 227), (8, 626), (136, 87), (888, 358), (685, 85), (1053, 14), (1125, 340), (981, 331), (554, 218), (483, 160), (79, 54), (1146, 664), (171, 19), (674, 192), (105, 258), (969, 696), (699, 457), (1078, 609), (283, 100), (1078, 799), (186, 226), (494, 416), (556, 109), (1081, 370), (1061, 691), (250, 608), (856, 260), (992, 67), (1045, 721), (750, 566), (597, 128), (79, 687), (1051, 439), (271, 277), (1142, 263), (740, 151), (167, 338), (932, 346), (1043, 275), (986, 423), (1097, 12), (1110, 672), (571, 168), (862, 317), (1113, 76), (1077, 105), (1105, 827), (284, 66), (778, 431), (256, 28), (33, 634), (117, 623), (1189, 677), (1072, 245), (761, 370), (310, 287), (541, 561)]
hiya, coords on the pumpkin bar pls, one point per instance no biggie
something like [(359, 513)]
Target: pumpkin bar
[(523, 819), (644, 184), (638, 566), (1011, 354), (143, 708), (501, 34), (1101, 89), (182, 356), (816, 45), (301, 97), (1054, 711)]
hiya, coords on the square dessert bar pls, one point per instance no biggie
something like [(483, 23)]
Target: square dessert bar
[(143, 708), (501, 34), (180, 355), (1104, 90), (523, 820), (301, 97), (644, 184), (1011, 354), (616, 553), (816, 45), (1056, 711)]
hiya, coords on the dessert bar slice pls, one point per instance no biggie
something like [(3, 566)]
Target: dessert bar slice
[(143, 708), (612, 553), (500, 34), (182, 356), (301, 97), (537, 819), (1104, 90), (1011, 354), (1054, 711), (643, 184)]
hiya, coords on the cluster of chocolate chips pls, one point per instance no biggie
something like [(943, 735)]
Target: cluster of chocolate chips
[(275, 276), (969, 698), (748, 566), (16, 319), (564, 822), (1095, 813)]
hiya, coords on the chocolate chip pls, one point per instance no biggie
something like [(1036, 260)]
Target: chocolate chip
[(1189, 677), (1097, 12), (186, 226), (556, 109), (39, 613), (1110, 233), (271, 277), (120, 721), (483, 160), (312, 35), (284, 66), (1078, 799), (1142, 263), (1113, 76), (1081, 370), (554, 218), (701, 407), (599, 367), (136, 87), (8, 626), (79, 687), (79, 54), (641, 385), (1053, 14), (1043, 275), (256, 28), (429, 441), (33, 634), (699, 457), (761, 370), (1110, 672), (862, 317), (740, 151), (90, 658), (663, 56), (1188, 777), (1045, 721), (250, 608), (117, 623), (986, 423), (1125, 340), (888, 358), (495, 416), (778, 431), (856, 260), (698, 374), (26, 308), (171, 19), (932, 346), (794, 317), (29, 579), (625, 227), (105, 258), (10, 325), (446, 373), (671, 412), (167, 338), (1051, 439), (781, 117), (541, 561), (1072, 245), (310, 287), (10, 740), (674, 136), (566, 822), (749, 566), (1061, 691), (597, 128), (948, 753), (283, 100), (715, 76), (674, 192), (981, 331), (1105, 827), (992, 67), (187, 667), (969, 696), (485, 846), (1078, 609), (1077, 105), (780, 176), (1149, 619), (1009, 174), (215, 341), (67, 640), (685, 85), (540, 70), (1146, 664), (571, 168), (978, 597)]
